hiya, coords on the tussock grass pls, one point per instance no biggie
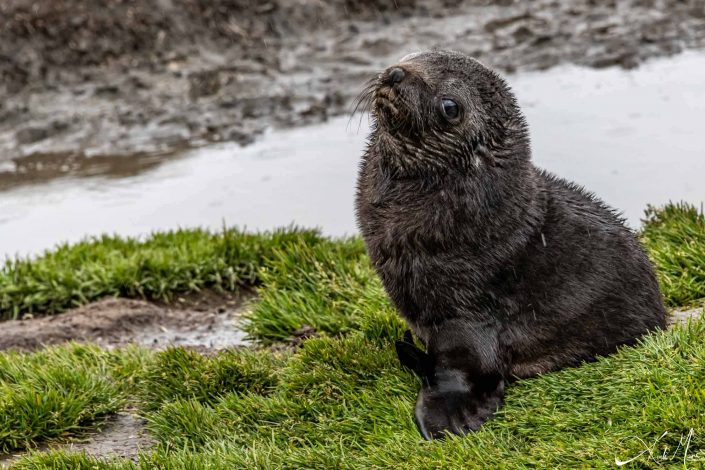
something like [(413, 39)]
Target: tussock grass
[(156, 267), (62, 390), (63, 460), (330, 286), (178, 373), (675, 238), (343, 401)]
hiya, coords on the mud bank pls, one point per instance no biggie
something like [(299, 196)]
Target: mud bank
[(115, 78), (616, 132)]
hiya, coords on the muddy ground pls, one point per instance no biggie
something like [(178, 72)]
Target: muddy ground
[(84, 83), (122, 435), (206, 321)]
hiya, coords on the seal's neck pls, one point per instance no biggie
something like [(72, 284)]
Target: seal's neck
[(411, 157), (436, 154), (496, 199)]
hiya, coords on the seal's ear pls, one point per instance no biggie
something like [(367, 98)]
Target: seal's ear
[(414, 358)]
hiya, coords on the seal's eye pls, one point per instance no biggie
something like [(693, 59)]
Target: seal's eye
[(450, 109)]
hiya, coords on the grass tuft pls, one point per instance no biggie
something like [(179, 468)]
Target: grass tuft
[(59, 391), (178, 373), (157, 267), (329, 286), (64, 460), (675, 238)]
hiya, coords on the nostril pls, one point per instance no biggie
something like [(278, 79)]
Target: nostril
[(396, 75)]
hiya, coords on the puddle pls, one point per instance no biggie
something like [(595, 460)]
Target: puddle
[(632, 137), (40, 168)]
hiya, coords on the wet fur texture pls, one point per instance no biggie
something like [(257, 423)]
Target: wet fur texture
[(501, 269)]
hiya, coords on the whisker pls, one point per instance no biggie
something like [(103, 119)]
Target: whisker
[(363, 100)]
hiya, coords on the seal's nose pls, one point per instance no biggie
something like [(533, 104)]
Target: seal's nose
[(396, 75)]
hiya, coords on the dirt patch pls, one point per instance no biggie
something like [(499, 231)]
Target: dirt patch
[(117, 77), (205, 321), (682, 316), (122, 436)]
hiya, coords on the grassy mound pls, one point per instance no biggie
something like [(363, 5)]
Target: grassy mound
[(675, 239), (343, 401), (155, 268)]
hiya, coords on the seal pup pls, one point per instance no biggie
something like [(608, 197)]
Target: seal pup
[(501, 269)]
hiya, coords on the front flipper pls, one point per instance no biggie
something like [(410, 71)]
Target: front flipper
[(455, 405), (463, 377)]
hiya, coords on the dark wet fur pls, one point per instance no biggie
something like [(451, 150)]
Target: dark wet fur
[(502, 270)]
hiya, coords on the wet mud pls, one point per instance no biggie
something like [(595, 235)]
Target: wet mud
[(206, 321), (117, 78), (616, 132), (39, 168), (682, 316), (122, 435)]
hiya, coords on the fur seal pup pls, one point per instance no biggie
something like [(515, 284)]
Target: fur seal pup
[(501, 269)]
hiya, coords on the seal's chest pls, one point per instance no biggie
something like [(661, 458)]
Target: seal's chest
[(422, 221)]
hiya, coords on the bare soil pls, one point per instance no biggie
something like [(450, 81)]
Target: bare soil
[(682, 316), (122, 436), (207, 321), (84, 83)]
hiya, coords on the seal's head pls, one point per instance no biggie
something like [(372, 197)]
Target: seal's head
[(444, 110)]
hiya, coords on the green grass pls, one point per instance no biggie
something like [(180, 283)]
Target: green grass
[(343, 401), (61, 391), (329, 286), (156, 267), (178, 374), (675, 238)]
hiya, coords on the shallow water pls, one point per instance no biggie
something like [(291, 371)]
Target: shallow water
[(632, 137)]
